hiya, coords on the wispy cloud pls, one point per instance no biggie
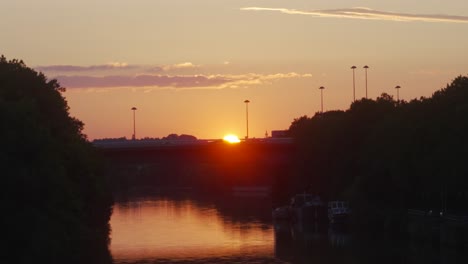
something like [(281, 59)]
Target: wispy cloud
[(117, 66), (368, 14), (140, 81), (185, 75), (74, 68), (165, 81), (184, 65)]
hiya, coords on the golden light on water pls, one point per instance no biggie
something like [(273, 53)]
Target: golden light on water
[(166, 229), (231, 138)]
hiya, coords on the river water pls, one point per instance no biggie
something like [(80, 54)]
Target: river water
[(231, 229)]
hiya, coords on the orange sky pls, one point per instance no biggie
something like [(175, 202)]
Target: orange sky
[(188, 66)]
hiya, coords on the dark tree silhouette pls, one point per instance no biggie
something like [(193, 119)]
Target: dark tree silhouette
[(387, 156), (55, 202)]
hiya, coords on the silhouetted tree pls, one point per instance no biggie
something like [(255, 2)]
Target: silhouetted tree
[(179, 137), (55, 202), (387, 156)]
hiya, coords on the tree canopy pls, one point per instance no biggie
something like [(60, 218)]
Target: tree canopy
[(56, 206), (387, 156)]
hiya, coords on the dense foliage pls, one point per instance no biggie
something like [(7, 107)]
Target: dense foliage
[(55, 205), (388, 156)]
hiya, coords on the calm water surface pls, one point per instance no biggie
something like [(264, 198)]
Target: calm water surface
[(163, 229), (190, 229)]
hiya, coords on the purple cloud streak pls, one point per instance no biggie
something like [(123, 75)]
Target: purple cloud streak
[(142, 81)]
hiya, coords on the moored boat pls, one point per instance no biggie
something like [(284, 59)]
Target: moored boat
[(282, 213), (338, 212), (305, 210), (308, 211)]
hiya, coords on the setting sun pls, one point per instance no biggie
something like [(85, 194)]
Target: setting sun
[(231, 138)]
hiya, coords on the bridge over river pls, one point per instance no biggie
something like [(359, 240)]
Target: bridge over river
[(212, 165)]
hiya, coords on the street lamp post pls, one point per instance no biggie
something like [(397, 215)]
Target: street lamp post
[(247, 117), (365, 68), (398, 93), (321, 98), (134, 132), (354, 84)]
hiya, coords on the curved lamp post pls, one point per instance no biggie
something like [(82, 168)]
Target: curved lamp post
[(247, 116), (321, 98), (365, 68), (354, 84), (134, 133)]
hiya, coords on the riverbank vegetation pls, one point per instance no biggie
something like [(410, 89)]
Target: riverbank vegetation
[(55, 202), (387, 156)]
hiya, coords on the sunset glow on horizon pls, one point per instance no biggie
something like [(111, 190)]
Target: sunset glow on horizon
[(230, 138), (187, 66)]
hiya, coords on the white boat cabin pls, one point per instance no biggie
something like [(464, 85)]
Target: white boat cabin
[(338, 207)]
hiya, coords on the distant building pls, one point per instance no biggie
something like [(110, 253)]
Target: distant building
[(279, 133)]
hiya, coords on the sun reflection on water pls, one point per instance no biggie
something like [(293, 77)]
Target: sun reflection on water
[(167, 229)]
